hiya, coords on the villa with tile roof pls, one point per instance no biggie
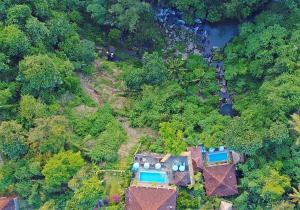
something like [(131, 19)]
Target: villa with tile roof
[(155, 180), (220, 180), (156, 177), (218, 169), (148, 198)]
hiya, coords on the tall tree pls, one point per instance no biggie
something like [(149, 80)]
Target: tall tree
[(13, 41), (98, 10), (41, 74), (128, 13), (31, 109), (12, 140), (49, 134), (86, 197), (172, 136), (61, 167)]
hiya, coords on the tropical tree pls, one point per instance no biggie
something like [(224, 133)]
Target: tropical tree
[(154, 69), (18, 14), (41, 74), (86, 197), (13, 41), (49, 135), (172, 136), (36, 30), (128, 13), (30, 109), (242, 137), (295, 196), (98, 10), (61, 167), (12, 140)]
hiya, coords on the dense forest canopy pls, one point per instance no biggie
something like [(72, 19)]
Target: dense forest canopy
[(56, 141)]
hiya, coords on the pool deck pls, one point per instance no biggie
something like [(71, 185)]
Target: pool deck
[(184, 178), (220, 162)]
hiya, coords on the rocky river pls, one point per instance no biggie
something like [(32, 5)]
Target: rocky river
[(200, 38)]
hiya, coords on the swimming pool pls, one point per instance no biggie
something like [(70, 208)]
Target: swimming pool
[(215, 157), (153, 176)]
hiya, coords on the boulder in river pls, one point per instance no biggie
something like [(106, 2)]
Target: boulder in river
[(198, 21)]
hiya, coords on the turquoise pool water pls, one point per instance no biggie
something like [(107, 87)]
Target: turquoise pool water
[(153, 176), (218, 157)]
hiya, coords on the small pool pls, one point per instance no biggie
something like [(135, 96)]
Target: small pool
[(217, 157), (153, 176)]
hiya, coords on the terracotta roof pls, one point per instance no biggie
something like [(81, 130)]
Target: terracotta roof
[(220, 180), (143, 198), (182, 179), (7, 203), (196, 155)]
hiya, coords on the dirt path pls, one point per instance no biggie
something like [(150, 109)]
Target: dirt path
[(102, 88), (85, 84)]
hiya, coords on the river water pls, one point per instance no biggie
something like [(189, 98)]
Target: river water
[(221, 33)]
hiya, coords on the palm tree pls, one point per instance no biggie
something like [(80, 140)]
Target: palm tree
[(175, 67), (295, 196)]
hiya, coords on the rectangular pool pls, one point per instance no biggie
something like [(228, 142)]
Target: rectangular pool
[(218, 157), (153, 176)]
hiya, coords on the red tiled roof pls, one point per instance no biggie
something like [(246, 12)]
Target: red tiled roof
[(220, 180), (196, 155), (143, 198), (7, 203), (182, 179)]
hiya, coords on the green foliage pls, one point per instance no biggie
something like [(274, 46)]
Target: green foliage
[(128, 13), (243, 138), (154, 69), (81, 53), (18, 14), (49, 135), (114, 35), (60, 29), (216, 10), (156, 104), (36, 30), (153, 72), (172, 136), (41, 74), (186, 201), (13, 41), (105, 147), (86, 196), (12, 140), (61, 167), (93, 124), (98, 10), (265, 185), (31, 109)]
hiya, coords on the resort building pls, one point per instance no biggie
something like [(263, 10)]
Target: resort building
[(155, 180), (156, 177), (162, 170), (9, 203), (147, 198), (218, 169)]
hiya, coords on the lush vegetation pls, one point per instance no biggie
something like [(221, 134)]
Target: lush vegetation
[(216, 10), (55, 141)]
